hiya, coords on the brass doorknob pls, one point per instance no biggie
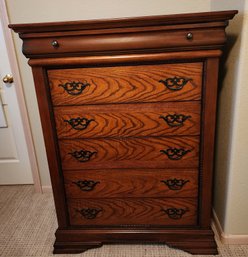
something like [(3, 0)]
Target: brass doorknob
[(8, 79)]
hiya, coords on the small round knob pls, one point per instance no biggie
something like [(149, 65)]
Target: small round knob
[(189, 36), (55, 43), (8, 79)]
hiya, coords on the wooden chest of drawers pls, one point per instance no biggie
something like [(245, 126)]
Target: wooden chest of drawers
[(128, 114)]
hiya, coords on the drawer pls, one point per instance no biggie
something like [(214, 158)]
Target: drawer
[(124, 84), (147, 152), (133, 211), (80, 42), (161, 119), (131, 183)]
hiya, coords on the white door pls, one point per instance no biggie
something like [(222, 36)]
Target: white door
[(15, 165)]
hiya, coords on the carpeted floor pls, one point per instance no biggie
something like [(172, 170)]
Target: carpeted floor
[(28, 223)]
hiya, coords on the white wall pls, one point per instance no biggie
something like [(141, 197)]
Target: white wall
[(231, 187), (62, 10)]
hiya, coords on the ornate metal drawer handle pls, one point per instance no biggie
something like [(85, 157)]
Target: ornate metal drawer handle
[(175, 213), (82, 155), (175, 120), (74, 88), (79, 123), (89, 213), (86, 185), (175, 184), (176, 83), (175, 153)]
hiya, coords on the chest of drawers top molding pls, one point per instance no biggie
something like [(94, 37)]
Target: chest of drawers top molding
[(126, 35), (128, 110)]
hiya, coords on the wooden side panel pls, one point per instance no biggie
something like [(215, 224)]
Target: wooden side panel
[(161, 119), (207, 139), (51, 145), (125, 84), (133, 211), (130, 153), (131, 183)]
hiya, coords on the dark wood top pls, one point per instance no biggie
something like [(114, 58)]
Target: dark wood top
[(174, 19)]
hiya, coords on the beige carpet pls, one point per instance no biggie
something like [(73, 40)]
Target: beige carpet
[(28, 223)]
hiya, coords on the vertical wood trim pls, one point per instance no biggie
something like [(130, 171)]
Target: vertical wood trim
[(209, 101), (52, 151), (20, 97)]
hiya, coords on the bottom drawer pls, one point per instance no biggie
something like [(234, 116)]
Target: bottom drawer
[(133, 211)]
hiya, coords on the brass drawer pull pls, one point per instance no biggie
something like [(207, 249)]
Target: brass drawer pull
[(88, 213), (79, 123), (175, 153), (86, 185), (74, 88), (82, 155), (189, 36), (175, 184), (175, 213), (55, 43), (176, 83), (175, 120)]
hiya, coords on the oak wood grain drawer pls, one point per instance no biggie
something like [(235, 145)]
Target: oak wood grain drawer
[(161, 119), (131, 183), (123, 84), (133, 211), (152, 152)]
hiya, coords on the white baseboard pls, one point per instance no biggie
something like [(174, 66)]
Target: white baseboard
[(227, 238), (47, 189)]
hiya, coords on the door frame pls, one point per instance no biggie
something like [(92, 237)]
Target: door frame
[(20, 97)]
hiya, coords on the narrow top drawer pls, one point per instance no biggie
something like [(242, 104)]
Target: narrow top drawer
[(164, 33), (126, 84)]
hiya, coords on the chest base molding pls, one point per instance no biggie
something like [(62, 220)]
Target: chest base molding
[(192, 241)]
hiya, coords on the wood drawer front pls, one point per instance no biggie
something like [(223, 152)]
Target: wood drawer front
[(131, 183), (161, 119), (133, 211), (125, 84), (116, 40), (130, 153)]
